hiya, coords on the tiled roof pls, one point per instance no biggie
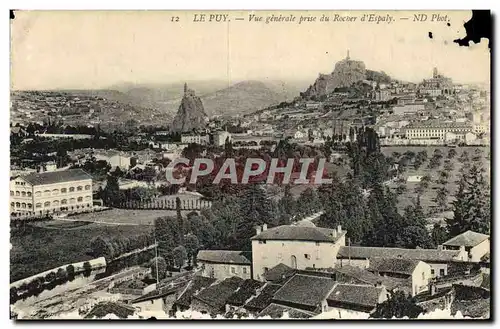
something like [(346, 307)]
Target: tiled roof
[(276, 311), (217, 294), (225, 256), (104, 308), (355, 294), (244, 292), (468, 239), (263, 299), (370, 278), (289, 232), (279, 272), (393, 265), (430, 255), (56, 177), (305, 290), (198, 283)]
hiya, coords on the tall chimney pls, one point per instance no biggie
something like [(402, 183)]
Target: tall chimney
[(432, 288), (258, 229), (264, 227), (339, 229)]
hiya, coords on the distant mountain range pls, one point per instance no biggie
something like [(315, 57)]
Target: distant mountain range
[(218, 98)]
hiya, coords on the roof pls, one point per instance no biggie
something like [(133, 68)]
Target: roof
[(393, 265), (104, 308), (368, 277), (298, 233), (355, 294), (305, 290), (263, 299), (276, 311), (225, 257), (279, 272), (198, 283), (56, 177), (429, 255), (468, 239), (217, 294), (244, 292)]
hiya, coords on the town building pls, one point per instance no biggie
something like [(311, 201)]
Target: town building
[(115, 159), (475, 244), (299, 247), (222, 264), (213, 299), (436, 130), (220, 137), (49, 192), (437, 85), (409, 108), (438, 259), (355, 300), (415, 271), (382, 95), (195, 138)]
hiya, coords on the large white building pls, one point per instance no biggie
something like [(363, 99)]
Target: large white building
[(475, 244), (436, 130), (50, 192), (195, 138), (298, 247)]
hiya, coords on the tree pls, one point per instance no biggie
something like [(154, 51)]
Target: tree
[(452, 153), (50, 277), (286, 207), (412, 237), (111, 191), (399, 305), (192, 245), (472, 204), (308, 202), (70, 269), (442, 198), (439, 234), (162, 268), (180, 255), (101, 247)]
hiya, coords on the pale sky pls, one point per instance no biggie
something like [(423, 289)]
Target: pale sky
[(95, 49)]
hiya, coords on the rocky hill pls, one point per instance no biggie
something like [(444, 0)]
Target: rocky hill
[(242, 98), (346, 73), (191, 114)]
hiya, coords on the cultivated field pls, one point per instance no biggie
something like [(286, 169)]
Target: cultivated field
[(60, 242)]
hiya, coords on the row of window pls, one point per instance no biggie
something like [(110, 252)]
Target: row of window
[(48, 204), (49, 192)]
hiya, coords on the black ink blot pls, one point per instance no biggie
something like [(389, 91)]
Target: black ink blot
[(478, 27), (448, 24), (430, 35), (12, 14)]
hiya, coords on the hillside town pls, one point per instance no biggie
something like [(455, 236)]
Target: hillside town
[(99, 225)]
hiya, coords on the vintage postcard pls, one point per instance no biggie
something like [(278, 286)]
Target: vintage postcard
[(317, 165)]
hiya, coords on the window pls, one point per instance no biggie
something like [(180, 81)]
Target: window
[(64, 201), (18, 193), (64, 190), (18, 204), (233, 270), (307, 256), (29, 193), (432, 271), (38, 205), (87, 198), (87, 187), (46, 204), (79, 188), (38, 193), (72, 200), (423, 275), (55, 191), (12, 204), (266, 269), (441, 272), (72, 189), (262, 241), (30, 205), (317, 244), (55, 203), (23, 193), (80, 199), (244, 270), (23, 205)]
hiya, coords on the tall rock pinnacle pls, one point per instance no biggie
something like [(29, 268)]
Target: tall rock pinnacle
[(191, 114)]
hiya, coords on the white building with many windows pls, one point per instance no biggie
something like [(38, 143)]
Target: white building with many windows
[(50, 192), (436, 130)]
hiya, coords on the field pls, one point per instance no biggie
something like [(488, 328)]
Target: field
[(428, 197), (125, 216), (59, 242)]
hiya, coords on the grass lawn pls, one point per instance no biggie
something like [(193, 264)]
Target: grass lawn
[(48, 247)]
